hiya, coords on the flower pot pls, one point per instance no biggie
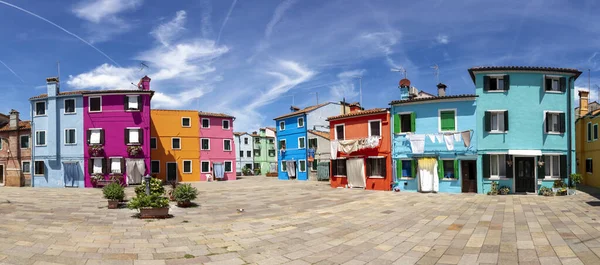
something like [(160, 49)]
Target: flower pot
[(571, 191), (184, 204), (113, 204), (154, 212)]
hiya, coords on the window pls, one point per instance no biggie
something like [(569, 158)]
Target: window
[(249, 153), (241, 153), (283, 166), (228, 166), (226, 145), (205, 144), (225, 124), (246, 140), (406, 168), (187, 166), (133, 136), (282, 125), (595, 132), (115, 165), (338, 167), (26, 167), (95, 104), (155, 166), (175, 143), (375, 128), (496, 83), (552, 166), (70, 137), (256, 165), (257, 140), (281, 144), (497, 166), (40, 108), (300, 122), (301, 142), (555, 83), (271, 141), (132, 102), (447, 120), (496, 121), (256, 152), (24, 141), (39, 168), (405, 123), (95, 136), (186, 122), (1, 143), (205, 166), (313, 143), (376, 167), (555, 122), (40, 138), (448, 167), (272, 153), (153, 143), (205, 123), (302, 165), (69, 106), (97, 166), (588, 166), (314, 165), (339, 132), (589, 131)]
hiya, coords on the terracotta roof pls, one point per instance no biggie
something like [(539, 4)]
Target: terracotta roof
[(433, 98), (23, 125), (212, 114), (523, 68), (240, 133), (271, 128), (358, 113), (304, 110), (75, 92), (319, 133)]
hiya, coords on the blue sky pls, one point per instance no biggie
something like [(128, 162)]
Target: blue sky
[(252, 59)]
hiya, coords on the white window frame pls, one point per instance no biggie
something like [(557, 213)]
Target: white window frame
[(110, 167), (202, 123), (190, 123), (65, 134), (496, 78), (440, 120), (34, 167), (139, 108), (558, 117), (231, 167), (546, 165), (206, 161), (21, 141), (208, 144), (228, 125), (302, 141), (22, 167), (172, 146), (298, 122), (158, 167), (496, 177), (492, 112), (102, 162), (380, 132), (45, 138), (140, 135), (90, 104), (183, 167), (280, 125), (553, 77), (155, 141), (65, 106), (335, 131), (35, 108), (305, 165), (284, 143), (91, 130), (230, 145), (589, 158)]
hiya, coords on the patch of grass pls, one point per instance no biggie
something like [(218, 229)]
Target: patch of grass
[(189, 256)]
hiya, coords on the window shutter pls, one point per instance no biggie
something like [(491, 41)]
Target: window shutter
[(509, 170), (126, 102), (139, 100), (547, 121), (396, 123), (563, 166), (440, 169), (383, 168), (88, 135), (333, 167), (456, 171), (141, 137), (546, 84), (413, 122), (542, 169), (123, 165), (488, 121), (561, 122), (105, 165), (90, 166), (506, 120), (486, 166), (589, 132), (102, 136), (127, 136), (563, 84), (486, 83), (506, 82), (369, 166), (413, 168)]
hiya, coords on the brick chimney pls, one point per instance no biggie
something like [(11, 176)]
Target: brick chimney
[(441, 90), (144, 83), (53, 86), (14, 119), (583, 102)]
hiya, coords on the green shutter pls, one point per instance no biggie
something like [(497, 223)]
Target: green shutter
[(413, 122), (440, 169), (456, 173), (398, 169), (413, 168), (397, 123), (487, 120), (506, 120), (486, 83), (563, 166), (447, 120), (506, 82), (486, 165)]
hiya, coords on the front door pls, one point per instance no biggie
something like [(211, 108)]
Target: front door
[(1, 175), (525, 174), (469, 176), (356, 172), (171, 171)]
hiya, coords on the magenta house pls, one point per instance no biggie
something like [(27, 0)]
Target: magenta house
[(116, 124), (217, 151)]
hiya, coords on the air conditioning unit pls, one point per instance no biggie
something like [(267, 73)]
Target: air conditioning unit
[(413, 91)]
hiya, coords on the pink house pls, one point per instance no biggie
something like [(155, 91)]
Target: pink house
[(217, 150), (116, 124)]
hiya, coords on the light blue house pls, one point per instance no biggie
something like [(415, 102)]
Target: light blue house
[(526, 125), (292, 137), (433, 142), (57, 137)]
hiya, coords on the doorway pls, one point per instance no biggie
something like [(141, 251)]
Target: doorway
[(525, 174), (72, 172), (469, 176), (1, 175), (171, 171), (356, 173)]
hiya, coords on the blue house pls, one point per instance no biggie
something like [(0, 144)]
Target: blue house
[(57, 137), (526, 123), (433, 142), (292, 135)]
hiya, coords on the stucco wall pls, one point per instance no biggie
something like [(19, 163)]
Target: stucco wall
[(217, 134), (322, 154), (290, 134), (241, 146)]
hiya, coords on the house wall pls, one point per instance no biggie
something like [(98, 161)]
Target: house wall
[(263, 158), (167, 124), (317, 119), (290, 134), (322, 154), (587, 149), (217, 134), (240, 146), (11, 156)]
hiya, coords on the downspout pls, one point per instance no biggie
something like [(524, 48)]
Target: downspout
[(32, 145), (569, 125), (394, 173)]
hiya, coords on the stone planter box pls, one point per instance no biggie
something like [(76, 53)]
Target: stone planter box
[(272, 174), (146, 213), (113, 204), (185, 204)]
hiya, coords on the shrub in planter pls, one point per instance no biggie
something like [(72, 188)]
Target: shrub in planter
[(134, 150), (574, 180), (96, 150), (117, 177), (114, 193), (150, 206), (156, 187), (546, 191), (184, 194), (561, 192), (493, 189), (504, 190), (257, 172), (170, 192), (558, 184)]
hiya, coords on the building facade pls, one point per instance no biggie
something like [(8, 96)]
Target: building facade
[(217, 150), (265, 153), (175, 145), (57, 137), (15, 150), (319, 155), (587, 144), (117, 134), (244, 157)]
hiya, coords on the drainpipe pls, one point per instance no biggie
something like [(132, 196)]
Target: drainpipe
[(31, 146), (569, 145)]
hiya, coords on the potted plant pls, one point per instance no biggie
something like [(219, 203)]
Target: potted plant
[(114, 193), (170, 192), (134, 150), (184, 194), (150, 206), (504, 190), (546, 191), (561, 191), (575, 179), (117, 178), (257, 172), (246, 171), (96, 150), (96, 177), (156, 187), (558, 184), (493, 189)]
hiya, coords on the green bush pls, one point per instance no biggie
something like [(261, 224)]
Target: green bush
[(493, 188), (575, 179), (185, 193), (559, 184), (156, 187), (148, 201), (546, 191), (114, 191)]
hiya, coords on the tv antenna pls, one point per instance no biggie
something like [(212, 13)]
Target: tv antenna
[(436, 73), (360, 87), (400, 70), (142, 66)]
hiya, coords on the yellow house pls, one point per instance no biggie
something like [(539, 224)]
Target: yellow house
[(587, 142), (175, 145)]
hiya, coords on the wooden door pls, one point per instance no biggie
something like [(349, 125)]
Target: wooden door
[(469, 175), (171, 171), (1, 175), (524, 174)]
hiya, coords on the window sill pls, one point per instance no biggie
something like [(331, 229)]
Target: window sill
[(70, 113), (405, 178), (204, 149), (550, 179), (496, 91), (133, 144), (40, 145), (553, 92), (114, 173), (376, 177), (555, 133), (133, 110), (187, 172), (97, 111), (498, 132), (90, 144), (70, 144), (340, 176), (39, 175), (498, 178), (40, 116)]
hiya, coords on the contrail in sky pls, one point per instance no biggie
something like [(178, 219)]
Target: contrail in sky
[(225, 21), (13, 72), (61, 28)]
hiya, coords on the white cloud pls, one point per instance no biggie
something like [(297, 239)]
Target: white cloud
[(277, 16), (165, 33), (97, 10), (105, 76), (346, 88), (442, 39)]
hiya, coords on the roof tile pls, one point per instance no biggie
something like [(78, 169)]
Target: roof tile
[(319, 133), (213, 114), (433, 98), (358, 113), (523, 68), (304, 110), (23, 125)]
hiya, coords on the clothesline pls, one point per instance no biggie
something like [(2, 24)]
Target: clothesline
[(417, 141)]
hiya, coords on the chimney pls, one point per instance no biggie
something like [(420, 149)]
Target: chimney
[(144, 83), (14, 119), (254, 132), (583, 102), (441, 90), (294, 108), (355, 107), (404, 86), (53, 86)]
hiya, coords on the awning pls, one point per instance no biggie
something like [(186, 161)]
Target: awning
[(525, 152)]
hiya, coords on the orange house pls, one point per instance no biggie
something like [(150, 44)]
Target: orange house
[(362, 141), (175, 145)]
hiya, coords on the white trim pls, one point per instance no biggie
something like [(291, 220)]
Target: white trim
[(23, 161), (201, 144), (65, 135), (207, 161), (139, 108), (545, 121), (231, 167), (282, 122), (202, 123), (155, 141), (173, 138), (90, 104), (223, 124), (335, 131), (369, 122), (497, 177), (189, 118), (305, 165), (303, 141), (553, 77), (497, 77), (151, 166), (298, 122), (167, 170), (65, 106), (133, 127), (440, 120), (497, 112), (549, 177), (45, 138), (21, 140), (183, 166), (230, 145), (34, 167), (35, 108), (525, 152)]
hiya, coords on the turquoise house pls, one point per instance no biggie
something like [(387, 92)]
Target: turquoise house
[(433, 142), (525, 121)]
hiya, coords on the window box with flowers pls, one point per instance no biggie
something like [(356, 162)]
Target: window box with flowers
[(134, 150), (96, 150)]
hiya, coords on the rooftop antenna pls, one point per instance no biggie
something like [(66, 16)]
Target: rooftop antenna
[(436, 73), (142, 66), (401, 70), (317, 93), (58, 69)]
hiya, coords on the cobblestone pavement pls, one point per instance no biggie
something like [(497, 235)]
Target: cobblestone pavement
[(290, 222)]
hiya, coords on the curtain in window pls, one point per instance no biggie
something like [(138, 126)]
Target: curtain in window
[(135, 171), (72, 174), (291, 168), (134, 136), (219, 170), (95, 137), (133, 102), (356, 172), (97, 165), (428, 176), (115, 165), (375, 167)]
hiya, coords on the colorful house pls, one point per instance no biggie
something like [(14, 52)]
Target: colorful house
[(265, 153), (217, 150), (117, 133), (434, 149), (361, 139), (244, 158), (57, 137), (319, 155), (175, 145), (526, 126), (15, 151), (587, 144)]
